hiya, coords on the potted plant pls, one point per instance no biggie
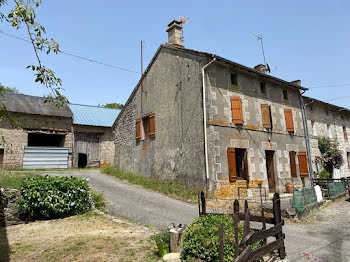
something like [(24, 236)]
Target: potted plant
[(162, 240), (289, 187)]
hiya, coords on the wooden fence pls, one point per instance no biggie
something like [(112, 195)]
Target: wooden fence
[(251, 236), (323, 183)]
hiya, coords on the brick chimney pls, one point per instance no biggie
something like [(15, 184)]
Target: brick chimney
[(175, 33), (261, 68), (296, 82)]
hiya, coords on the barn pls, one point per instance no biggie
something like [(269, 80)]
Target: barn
[(93, 135)]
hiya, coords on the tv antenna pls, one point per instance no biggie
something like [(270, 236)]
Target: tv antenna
[(183, 21), (260, 38)]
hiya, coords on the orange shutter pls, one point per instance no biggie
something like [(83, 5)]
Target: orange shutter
[(266, 116), (138, 129), (152, 126), (231, 161), (303, 167), (236, 107), (293, 166), (288, 114)]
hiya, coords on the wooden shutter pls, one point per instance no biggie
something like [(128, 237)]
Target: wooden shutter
[(293, 165), (138, 129), (266, 116), (236, 107), (231, 161), (152, 126), (288, 114), (303, 167)]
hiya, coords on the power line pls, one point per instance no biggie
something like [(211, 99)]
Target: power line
[(336, 85), (77, 56)]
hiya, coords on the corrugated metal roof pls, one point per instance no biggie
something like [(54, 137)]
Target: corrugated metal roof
[(93, 115)]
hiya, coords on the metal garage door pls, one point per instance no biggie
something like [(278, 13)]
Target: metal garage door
[(45, 157)]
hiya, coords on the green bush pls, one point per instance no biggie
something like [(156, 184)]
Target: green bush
[(99, 201), (53, 197), (161, 238), (201, 238), (324, 174)]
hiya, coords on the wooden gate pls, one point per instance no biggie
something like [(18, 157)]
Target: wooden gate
[(89, 144)]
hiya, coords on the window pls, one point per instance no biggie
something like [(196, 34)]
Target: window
[(288, 115), (293, 165), (145, 127), (237, 164), (329, 130), (285, 94), (262, 88), (303, 166), (39, 139), (314, 128), (345, 133), (266, 116), (234, 79), (236, 108)]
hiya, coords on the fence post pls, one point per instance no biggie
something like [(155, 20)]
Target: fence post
[(204, 209), (246, 228), (278, 219), (235, 226), (199, 203), (262, 214), (221, 243)]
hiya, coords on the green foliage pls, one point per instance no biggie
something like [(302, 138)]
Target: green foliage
[(113, 105), (23, 14), (201, 238), (324, 174), (170, 188), (5, 89), (161, 238), (99, 201), (331, 157), (53, 197)]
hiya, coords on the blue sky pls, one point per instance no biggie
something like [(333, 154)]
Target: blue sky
[(307, 40)]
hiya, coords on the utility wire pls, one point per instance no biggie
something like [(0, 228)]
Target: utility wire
[(315, 87), (77, 56)]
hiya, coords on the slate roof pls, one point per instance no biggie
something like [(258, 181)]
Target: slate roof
[(93, 115), (35, 105)]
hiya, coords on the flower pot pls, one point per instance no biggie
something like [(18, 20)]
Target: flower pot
[(163, 249), (289, 188)]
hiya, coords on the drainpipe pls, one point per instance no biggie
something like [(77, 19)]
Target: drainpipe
[(307, 139), (205, 125)]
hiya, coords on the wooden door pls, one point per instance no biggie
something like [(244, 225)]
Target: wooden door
[(270, 168)]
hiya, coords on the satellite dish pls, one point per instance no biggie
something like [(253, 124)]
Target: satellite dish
[(183, 20)]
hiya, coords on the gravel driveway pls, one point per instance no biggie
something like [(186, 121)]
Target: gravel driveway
[(328, 238)]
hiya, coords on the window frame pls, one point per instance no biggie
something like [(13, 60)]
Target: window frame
[(234, 79)]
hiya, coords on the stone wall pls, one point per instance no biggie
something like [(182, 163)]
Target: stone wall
[(222, 133), (172, 91), (324, 115), (107, 145), (15, 139)]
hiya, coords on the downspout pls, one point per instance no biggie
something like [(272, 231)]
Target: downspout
[(307, 139), (205, 126)]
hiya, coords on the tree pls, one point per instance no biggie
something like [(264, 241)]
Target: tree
[(114, 105), (331, 157), (23, 14), (5, 89)]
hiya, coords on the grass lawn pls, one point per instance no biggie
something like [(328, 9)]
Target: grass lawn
[(172, 189), (88, 237), (13, 180)]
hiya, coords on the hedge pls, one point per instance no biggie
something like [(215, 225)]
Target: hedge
[(53, 197)]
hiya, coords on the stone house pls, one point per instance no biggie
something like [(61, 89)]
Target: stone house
[(42, 135), (212, 124), (328, 120), (93, 135)]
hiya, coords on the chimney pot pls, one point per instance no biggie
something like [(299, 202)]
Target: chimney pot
[(175, 33)]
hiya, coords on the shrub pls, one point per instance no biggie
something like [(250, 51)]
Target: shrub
[(53, 197), (99, 201), (324, 174), (201, 238), (161, 238)]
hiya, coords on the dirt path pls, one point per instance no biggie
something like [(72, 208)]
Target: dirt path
[(327, 239)]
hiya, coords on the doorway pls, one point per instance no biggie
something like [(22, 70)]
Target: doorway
[(1, 158), (82, 160), (270, 169)]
